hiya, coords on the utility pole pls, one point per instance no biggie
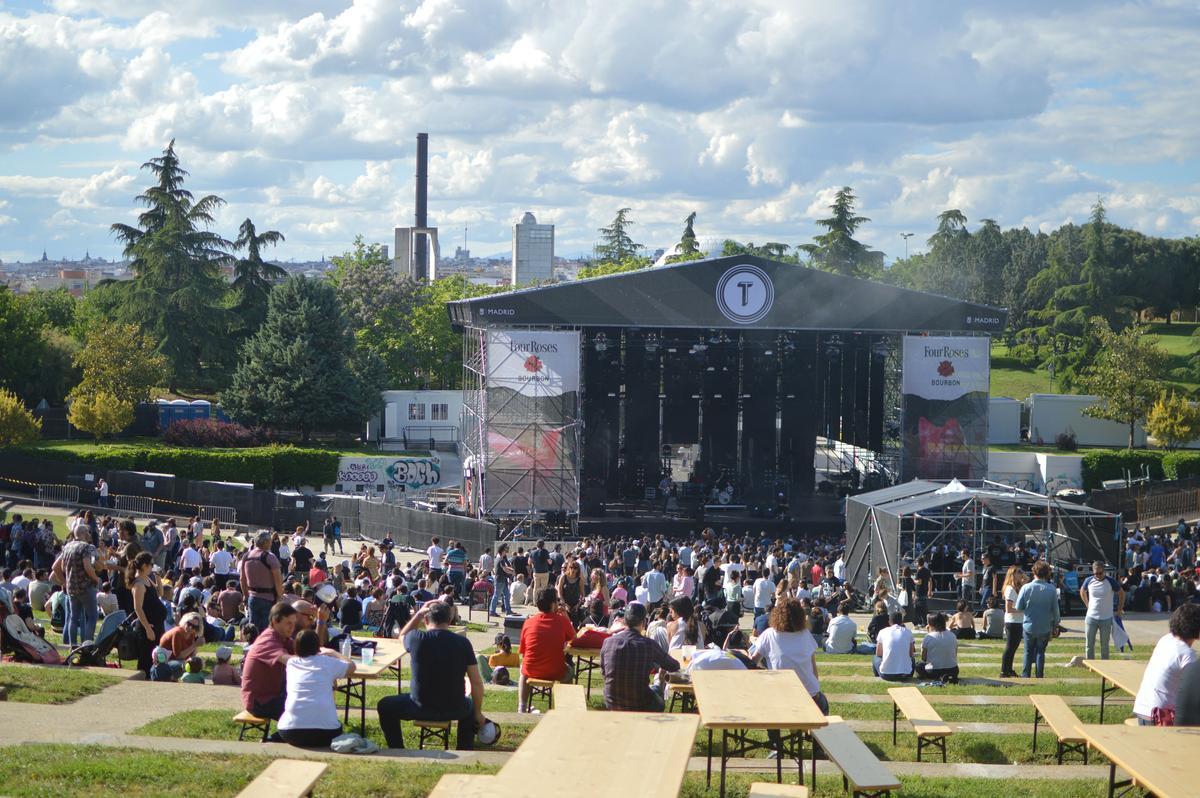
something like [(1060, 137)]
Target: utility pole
[(906, 236)]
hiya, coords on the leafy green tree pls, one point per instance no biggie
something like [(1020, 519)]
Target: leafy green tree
[(52, 308), (599, 269), (836, 250), (295, 372), (1126, 376), (253, 276), (177, 293), (99, 413), (371, 292), (1173, 421), (22, 350), (120, 360), (616, 244), (17, 425), (772, 249), (687, 248)]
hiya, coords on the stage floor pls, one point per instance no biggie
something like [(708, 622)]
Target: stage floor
[(807, 517)]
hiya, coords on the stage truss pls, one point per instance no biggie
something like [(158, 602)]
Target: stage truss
[(522, 458)]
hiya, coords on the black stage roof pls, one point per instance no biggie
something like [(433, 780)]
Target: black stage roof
[(741, 292)]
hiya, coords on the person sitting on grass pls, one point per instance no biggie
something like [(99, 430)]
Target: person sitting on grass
[(962, 623), (440, 660), (265, 664), (162, 671), (544, 636), (993, 621), (939, 651), (894, 649), (223, 673), (310, 716), (503, 660), (841, 634), (185, 639), (879, 621), (1155, 703), (193, 671)]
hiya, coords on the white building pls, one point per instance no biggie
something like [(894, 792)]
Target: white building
[(411, 419), (532, 251)]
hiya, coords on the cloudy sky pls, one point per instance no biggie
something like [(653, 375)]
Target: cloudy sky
[(303, 115)]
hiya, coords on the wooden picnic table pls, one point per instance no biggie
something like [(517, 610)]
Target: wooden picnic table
[(651, 751), (1160, 760), (736, 702), (587, 661), (388, 653), (1124, 674)]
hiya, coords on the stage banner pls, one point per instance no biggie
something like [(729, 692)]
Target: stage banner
[(532, 422), (945, 387)]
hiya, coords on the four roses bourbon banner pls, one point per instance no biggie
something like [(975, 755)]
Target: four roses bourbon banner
[(945, 386)]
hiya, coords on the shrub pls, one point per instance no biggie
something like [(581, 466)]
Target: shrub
[(100, 413), (17, 425), (1180, 465), (1102, 464), (1065, 441), (211, 432), (264, 466)]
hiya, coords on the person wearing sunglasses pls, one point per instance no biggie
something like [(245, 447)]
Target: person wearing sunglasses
[(184, 640)]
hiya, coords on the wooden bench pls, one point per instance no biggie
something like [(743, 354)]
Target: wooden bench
[(860, 768), (1062, 721), (465, 785), (569, 696), (249, 722), (765, 789), (685, 694), (931, 730), (435, 730), (285, 778), (541, 688)]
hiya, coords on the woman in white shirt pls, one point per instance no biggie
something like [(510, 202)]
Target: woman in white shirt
[(1155, 701), (787, 644), (310, 717), (1013, 618)]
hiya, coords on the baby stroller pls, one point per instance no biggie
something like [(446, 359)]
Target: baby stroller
[(95, 652), (19, 640)]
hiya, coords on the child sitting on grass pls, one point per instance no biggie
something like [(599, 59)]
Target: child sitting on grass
[(193, 671), (504, 659), (161, 671), (224, 673)]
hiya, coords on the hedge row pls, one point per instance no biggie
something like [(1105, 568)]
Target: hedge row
[(265, 466), (1102, 464)]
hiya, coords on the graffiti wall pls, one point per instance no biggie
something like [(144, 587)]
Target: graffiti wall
[(405, 474)]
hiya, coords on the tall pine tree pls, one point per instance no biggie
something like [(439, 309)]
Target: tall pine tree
[(177, 291), (253, 276), (836, 250)]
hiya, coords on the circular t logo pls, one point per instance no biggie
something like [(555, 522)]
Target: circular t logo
[(745, 294)]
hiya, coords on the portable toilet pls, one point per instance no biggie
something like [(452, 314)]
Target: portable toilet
[(201, 408)]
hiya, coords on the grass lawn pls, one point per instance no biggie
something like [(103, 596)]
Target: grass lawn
[(215, 724), (49, 684), (1011, 378), (50, 771)]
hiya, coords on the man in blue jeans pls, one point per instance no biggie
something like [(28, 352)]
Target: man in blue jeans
[(502, 572), (1039, 601), (261, 579), (75, 571)]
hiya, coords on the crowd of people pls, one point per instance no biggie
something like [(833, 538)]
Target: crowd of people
[(731, 601)]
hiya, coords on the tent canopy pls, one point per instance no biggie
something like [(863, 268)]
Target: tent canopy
[(918, 496)]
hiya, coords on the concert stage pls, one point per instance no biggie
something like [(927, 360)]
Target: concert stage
[(699, 383)]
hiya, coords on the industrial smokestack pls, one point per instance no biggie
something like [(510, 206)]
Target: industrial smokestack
[(420, 260)]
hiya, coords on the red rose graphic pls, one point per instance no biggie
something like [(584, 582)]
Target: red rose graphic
[(945, 368), (533, 364)]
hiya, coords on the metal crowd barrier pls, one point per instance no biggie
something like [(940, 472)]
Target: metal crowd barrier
[(226, 515), (135, 504), (64, 494)]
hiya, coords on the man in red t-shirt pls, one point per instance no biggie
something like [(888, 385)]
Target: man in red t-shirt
[(543, 638), (265, 664)]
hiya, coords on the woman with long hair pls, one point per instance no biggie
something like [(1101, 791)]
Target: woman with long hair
[(130, 548), (151, 614), (598, 593), (1013, 618), (788, 645), (571, 590), (683, 629)]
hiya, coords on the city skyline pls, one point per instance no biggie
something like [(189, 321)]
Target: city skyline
[(751, 114)]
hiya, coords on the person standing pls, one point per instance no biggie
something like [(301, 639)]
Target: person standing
[(327, 536), (75, 571), (1039, 601), (1104, 599), (261, 580), (987, 582), (456, 566), (1013, 618), (154, 544), (764, 594), (147, 606), (923, 580), (966, 577), (222, 563), (539, 561), (337, 534), (434, 556), (102, 492), (502, 575)]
